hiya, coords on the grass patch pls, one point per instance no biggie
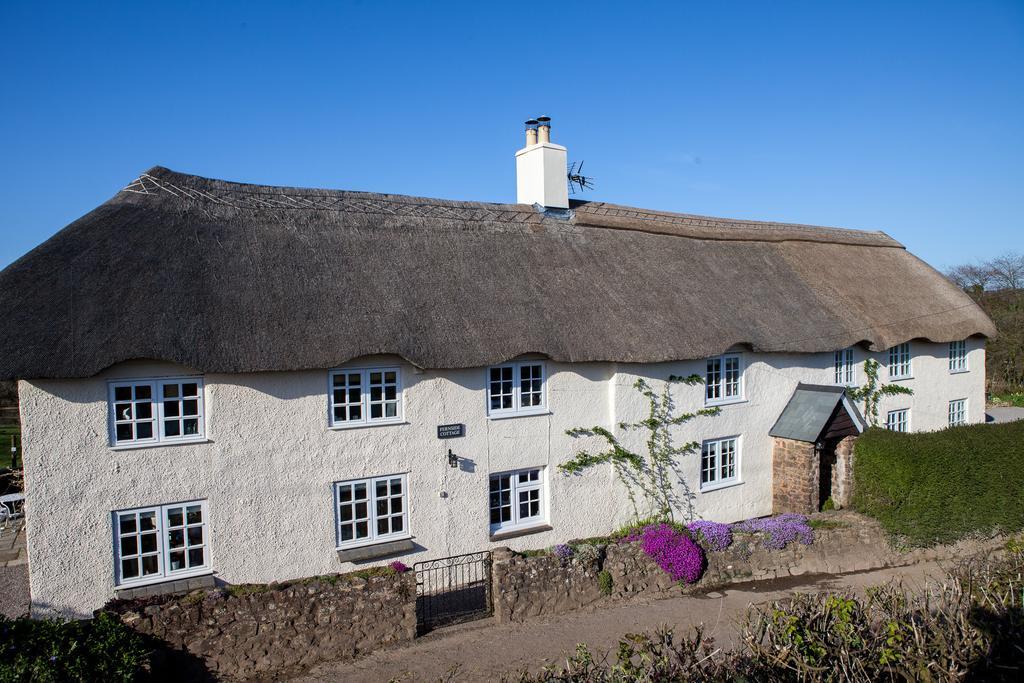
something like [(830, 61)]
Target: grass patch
[(6, 433), (604, 582), (939, 487), (1016, 399)]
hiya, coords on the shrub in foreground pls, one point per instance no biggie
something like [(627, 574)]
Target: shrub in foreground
[(970, 627), (938, 487), (45, 650)]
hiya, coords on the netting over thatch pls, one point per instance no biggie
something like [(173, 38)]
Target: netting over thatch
[(226, 277)]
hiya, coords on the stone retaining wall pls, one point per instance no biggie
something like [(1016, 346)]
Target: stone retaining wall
[(219, 634), (526, 587)]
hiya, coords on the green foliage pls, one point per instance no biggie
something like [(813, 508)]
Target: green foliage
[(1016, 399), (45, 651), (938, 487), (969, 627), (634, 529), (604, 582), (828, 505), (1004, 354), (652, 473), (7, 434), (873, 390)]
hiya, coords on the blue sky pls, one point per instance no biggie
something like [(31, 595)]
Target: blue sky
[(905, 117)]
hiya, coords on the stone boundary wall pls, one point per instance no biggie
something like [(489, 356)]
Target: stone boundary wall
[(527, 587), (219, 635)]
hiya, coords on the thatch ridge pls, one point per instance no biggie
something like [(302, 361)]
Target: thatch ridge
[(229, 277)]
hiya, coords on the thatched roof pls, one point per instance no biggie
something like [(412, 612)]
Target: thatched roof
[(227, 277)]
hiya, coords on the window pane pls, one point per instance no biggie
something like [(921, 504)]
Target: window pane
[(195, 535), (150, 565), (147, 521), (129, 545), (148, 543), (144, 411), (170, 391), (344, 493), (382, 526), (194, 514), (397, 524), (127, 524), (171, 428), (143, 393), (129, 569), (144, 430), (177, 560), (124, 432), (191, 426), (176, 538), (195, 557), (190, 389), (123, 411), (190, 407), (171, 409), (122, 393), (362, 530)]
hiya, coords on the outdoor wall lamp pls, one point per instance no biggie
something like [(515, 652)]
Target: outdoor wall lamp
[(453, 460)]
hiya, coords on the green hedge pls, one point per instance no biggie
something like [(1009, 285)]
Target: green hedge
[(938, 487), (45, 650)]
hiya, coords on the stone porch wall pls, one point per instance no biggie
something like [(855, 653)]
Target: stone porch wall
[(842, 472), (794, 477)]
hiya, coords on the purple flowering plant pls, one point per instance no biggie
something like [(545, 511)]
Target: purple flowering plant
[(780, 530), (398, 567), (674, 551), (562, 551), (715, 535)]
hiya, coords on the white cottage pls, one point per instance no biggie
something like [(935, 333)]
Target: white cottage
[(234, 383)]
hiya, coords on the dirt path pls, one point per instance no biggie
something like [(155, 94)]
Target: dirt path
[(482, 651)]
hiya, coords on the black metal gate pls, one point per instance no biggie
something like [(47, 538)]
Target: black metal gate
[(452, 590)]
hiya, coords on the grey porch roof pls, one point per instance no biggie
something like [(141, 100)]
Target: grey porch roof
[(808, 412), (227, 277)]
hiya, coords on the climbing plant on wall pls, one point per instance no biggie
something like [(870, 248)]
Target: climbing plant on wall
[(873, 390), (651, 476)]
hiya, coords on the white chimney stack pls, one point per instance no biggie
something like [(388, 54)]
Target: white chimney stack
[(541, 168)]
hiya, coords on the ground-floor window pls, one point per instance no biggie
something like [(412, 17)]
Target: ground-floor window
[(161, 542), (957, 412), (898, 420), (371, 510), (719, 462), (517, 499)]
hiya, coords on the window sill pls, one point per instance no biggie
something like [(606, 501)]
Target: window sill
[(361, 425), (360, 553), (728, 402), (158, 444), (522, 531), (524, 413), (900, 379), (959, 372), (719, 487), (165, 585)]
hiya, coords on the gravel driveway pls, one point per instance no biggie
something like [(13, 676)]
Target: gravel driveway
[(14, 590)]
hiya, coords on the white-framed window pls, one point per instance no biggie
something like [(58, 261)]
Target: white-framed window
[(898, 420), (517, 499), (361, 396), (516, 389), (958, 356), (719, 463), (844, 370), (899, 361), (723, 380), (371, 510), (156, 411), (160, 543), (957, 412)]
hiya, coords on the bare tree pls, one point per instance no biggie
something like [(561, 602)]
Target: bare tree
[(971, 277), (1007, 272)]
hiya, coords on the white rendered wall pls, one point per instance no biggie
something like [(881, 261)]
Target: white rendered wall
[(268, 467)]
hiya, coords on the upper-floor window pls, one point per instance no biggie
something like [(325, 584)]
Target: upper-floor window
[(719, 463), (958, 412), (156, 411), (958, 356), (161, 543), (362, 396), (723, 381), (898, 420), (516, 389), (516, 499), (844, 371), (899, 361), (371, 510)]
